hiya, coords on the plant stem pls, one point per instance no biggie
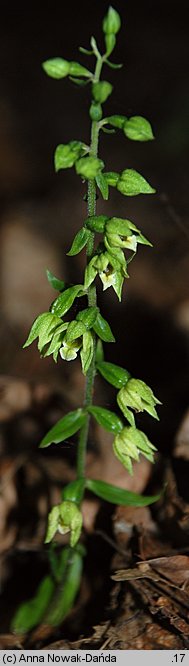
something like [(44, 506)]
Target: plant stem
[(92, 300)]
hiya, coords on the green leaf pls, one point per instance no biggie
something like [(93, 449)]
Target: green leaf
[(88, 316), (102, 185), (138, 128), (64, 428), (75, 330), (132, 183), (43, 328), (107, 419), (96, 222), (113, 374), (79, 242), (55, 282), (78, 70), (101, 91), (31, 612), (57, 68), (116, 121), (64, 302), (115, 495), (89, 167), (111, 22), (87, 351), (103, 330), (74, 491), (64, 597)]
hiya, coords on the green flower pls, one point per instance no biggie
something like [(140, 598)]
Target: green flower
[(137, 395), (111, 268), (65, 517), (78, 338), (122, 233), (129, 444)]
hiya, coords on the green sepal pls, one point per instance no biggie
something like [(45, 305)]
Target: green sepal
[(30, 613), (107, 419), (56, 68), (90, 273), (64, 428), (79, 242), (102, 329), (112, 178), (43, 328), (74, 491), (57, 284), (102, 185), (111, 22), (78, 70), (138, 128), (89, 167), (116, 495), (116, 121), (113, 374), (101, 91), (56, 341), (88, 316), (142, 240), (87, 351), (96, 223), (132, 183), (64, 302), (124, 409)]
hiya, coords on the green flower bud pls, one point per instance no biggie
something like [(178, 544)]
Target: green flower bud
[(96, 223), (112, 22), (64, 518), (89, 167), (101, 91), (95, 111), (57, 68)]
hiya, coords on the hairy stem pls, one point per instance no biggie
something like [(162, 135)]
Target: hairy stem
[(92, 299)]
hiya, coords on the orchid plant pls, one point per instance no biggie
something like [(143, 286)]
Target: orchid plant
[(65, 337)]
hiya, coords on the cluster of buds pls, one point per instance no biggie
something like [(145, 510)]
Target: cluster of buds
[(139, 397), (63, 518), (129, 444)]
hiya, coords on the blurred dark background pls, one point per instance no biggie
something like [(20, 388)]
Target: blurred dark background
[(41, 211)]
